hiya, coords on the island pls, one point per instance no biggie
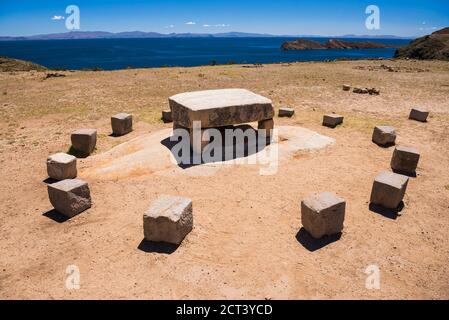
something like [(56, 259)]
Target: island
[(306, 44)]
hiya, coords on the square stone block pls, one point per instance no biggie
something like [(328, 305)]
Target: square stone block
[(84, 140), (286, 112), (332, 120), (346, 87), (405, 159), (169, 219), (166, 116), (61, 166), (388, 189), (419, 114), (122, 123), (70, 197), (384, 135), (323, 214)]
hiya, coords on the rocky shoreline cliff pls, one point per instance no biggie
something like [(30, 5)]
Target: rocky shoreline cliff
[(433, 46)]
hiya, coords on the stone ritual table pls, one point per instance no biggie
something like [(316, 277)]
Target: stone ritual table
[(220, 108)]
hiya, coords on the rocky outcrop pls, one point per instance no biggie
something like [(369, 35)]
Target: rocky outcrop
[(433, 46), (304, 44), (9, 64)]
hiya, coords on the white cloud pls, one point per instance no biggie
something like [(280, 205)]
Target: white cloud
[(57, 18), (190, 23), (427, 29), (222, 25), (169, 26)]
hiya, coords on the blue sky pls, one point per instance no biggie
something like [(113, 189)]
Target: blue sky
[(315, 17)]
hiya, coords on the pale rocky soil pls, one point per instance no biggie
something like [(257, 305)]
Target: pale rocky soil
[(244, 242)]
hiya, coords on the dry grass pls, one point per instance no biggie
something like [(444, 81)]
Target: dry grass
[(244, 242)]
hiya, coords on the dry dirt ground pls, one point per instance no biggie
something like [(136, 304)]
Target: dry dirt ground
[(246, 241)]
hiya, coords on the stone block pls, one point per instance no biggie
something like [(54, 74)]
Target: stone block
[(267, 125), (419, 115), (384, 136), (286, 112), (169, 219), (332, 120), (217, 108), (388, 189), (405, 159), (69, 197), (323, 214), (166, 116), (61, 166), (84, 140), (122, 123)]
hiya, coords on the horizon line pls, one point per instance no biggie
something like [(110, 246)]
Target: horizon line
[(216, 33)]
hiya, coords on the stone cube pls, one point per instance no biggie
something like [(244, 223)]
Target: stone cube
[(84, 140), (346, 87), (405, 159), (388, 189), (61, 166), (419, 114), (332, 120), (384, 135), (286, 112), (169, 219), (122, 123), (323, 214), (166, 116), (70, 197)]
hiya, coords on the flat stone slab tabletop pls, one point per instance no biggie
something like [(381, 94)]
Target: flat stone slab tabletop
[(217, 108)]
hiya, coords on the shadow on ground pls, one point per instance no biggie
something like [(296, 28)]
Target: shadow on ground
[(157, 247), (228, 151), (405, 173), (72, 151), (55, 216), (388, 213), (313, 244), (50, 180)]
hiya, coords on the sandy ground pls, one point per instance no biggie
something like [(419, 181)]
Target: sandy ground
[(246, 241)]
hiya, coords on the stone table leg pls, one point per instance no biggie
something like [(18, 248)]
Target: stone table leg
[(198, 146), (267, 125)]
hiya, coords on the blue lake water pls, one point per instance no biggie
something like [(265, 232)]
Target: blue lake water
[(111, 54)]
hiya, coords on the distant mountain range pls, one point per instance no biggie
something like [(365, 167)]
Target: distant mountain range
[(141, 34)]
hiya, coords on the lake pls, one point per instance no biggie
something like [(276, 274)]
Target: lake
[(111, 54)]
